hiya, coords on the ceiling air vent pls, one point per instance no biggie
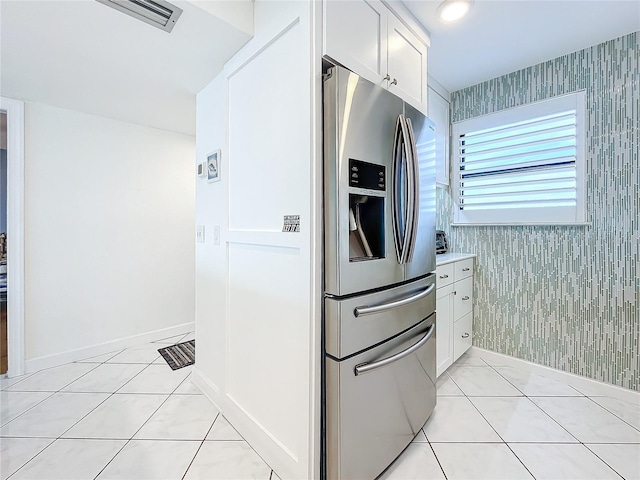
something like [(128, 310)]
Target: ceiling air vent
[(158, 13)]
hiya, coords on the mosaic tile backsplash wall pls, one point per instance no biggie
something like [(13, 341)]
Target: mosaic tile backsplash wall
[(567, 296)]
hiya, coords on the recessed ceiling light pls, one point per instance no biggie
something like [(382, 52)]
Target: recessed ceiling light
[(451, 10)]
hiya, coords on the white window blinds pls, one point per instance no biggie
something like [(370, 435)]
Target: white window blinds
[(521, 166)]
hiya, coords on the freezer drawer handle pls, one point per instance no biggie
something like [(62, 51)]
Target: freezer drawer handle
[(398, 303), (368, 367)]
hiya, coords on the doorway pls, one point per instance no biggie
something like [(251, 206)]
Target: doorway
[(3, 244), (12, 242)]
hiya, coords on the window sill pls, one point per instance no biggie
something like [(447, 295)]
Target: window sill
[(516, 224)]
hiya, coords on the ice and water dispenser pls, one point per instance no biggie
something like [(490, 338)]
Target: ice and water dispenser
[(367, 182)]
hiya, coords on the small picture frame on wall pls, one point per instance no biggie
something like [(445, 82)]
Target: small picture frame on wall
[(213, 166)]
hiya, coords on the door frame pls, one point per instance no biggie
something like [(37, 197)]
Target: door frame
[(15, 235)]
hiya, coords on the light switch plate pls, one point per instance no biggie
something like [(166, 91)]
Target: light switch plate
[(200, 234)]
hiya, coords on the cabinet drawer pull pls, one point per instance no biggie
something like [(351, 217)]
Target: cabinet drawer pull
[(466, 297), (466, 269), (444, 276), (395, 82), (465, 335), (387, 77)]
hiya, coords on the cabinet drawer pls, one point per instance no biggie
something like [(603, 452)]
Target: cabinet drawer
[(444, 274), (373, 416), (463, 298), (462, 335), (463, 268)]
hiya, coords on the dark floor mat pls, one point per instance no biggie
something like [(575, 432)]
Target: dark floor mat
[(179, 355)]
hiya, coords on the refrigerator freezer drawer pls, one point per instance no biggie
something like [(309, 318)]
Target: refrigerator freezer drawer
[(372, 416), (356, 323)]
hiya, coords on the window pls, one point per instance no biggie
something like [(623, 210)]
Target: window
[(524, 165)]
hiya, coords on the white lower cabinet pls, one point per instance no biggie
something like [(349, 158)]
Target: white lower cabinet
[(454, 308)]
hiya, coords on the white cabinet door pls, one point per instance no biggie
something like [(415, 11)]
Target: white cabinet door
[(444, 327), (439, 114), (407, 64), (355, 35)]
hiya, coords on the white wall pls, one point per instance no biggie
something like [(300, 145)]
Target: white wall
[(109, 238)]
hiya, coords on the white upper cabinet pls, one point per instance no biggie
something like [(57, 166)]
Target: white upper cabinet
[(406, 64), (355, 35), (439, 114), (368, 39)]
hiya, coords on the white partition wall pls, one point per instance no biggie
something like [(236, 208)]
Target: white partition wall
[(257, 286)]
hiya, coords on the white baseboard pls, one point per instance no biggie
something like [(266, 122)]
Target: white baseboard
[(270, 449), (586, 386), (56, 359)]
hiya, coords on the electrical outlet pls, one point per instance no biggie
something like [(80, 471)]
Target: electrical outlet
[(200, 234), (216, 234)]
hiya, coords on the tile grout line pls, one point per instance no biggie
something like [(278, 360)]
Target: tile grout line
[(60, 390), (200, 446), (489, 423), (145, 422), (115, 353), (612, 413), (53, 440), (543, 410), (83, 417), (129, 381), (579, 393), (604, 461), (549, 415), (436, 457), (579, 442), (480, 413), (524, 395), (30, 408), (53, 392), (520, 460), (59, 436), (26, 375)]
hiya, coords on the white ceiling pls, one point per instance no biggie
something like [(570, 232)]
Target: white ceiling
[(85, 56), (501, 36)]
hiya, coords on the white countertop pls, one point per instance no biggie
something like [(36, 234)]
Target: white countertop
[(444, 258)]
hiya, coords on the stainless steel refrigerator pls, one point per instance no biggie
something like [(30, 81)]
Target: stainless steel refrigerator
[(379, 293)]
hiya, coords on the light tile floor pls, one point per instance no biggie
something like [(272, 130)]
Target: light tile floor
[(127, 415), (498, 422)]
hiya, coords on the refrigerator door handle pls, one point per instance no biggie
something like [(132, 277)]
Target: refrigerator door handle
[(414, 191), (409, 193), (395, 207), (368, 367), (365, 310), (401, 157)]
